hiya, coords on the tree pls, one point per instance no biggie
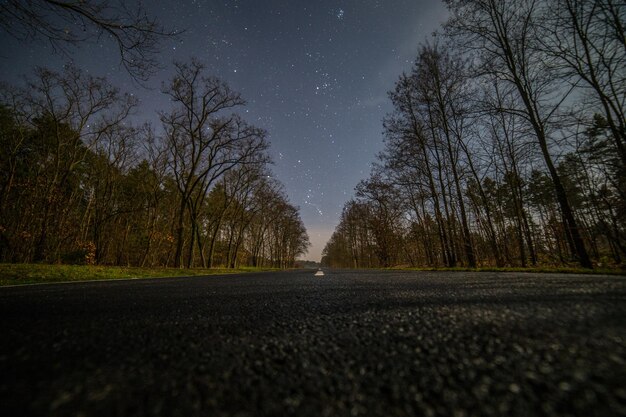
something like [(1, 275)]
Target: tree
[(587, 40), (67, 115), (503, 144), (68, 23), (507, 36), (79, 184), (385, 212), (440, 81), (204, 143), (409, 153)]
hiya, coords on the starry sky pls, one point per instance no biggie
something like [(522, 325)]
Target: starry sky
[(315, 74)]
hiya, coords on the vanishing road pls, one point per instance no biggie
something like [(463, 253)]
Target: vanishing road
[(349, 343)]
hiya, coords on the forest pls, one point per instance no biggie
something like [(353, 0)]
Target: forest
[(506, 145), (82, 183)]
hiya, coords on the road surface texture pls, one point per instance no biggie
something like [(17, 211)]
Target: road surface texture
[(349, 343)]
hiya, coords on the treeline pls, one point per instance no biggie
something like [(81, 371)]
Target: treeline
[(80, 184), (506, 145)]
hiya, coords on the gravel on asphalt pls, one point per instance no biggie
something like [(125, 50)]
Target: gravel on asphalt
[(350, 343)]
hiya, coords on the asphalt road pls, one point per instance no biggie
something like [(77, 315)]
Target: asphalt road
[(350, 343)]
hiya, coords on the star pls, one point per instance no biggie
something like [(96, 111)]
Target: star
[(317, 84)]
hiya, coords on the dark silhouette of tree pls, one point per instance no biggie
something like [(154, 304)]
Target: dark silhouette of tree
[(204, 143), (504, 146), (507, 35), (65, 24), (80, 184)]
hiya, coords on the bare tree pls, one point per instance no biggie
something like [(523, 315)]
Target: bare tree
[(204, 143), (506, 146), (587, 40), (64, 24), (507, 37), (440, 81), (71, 113), (409, 151), (76, 185), (385, 221)]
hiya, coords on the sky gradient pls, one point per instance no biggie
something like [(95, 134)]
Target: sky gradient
[(315, 75)]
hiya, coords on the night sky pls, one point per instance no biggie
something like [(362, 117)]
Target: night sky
[(314, 74)]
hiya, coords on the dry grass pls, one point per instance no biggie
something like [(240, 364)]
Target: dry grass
[(16, 274)]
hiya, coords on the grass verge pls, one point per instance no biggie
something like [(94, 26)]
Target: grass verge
[(539, 269), (16, 274)]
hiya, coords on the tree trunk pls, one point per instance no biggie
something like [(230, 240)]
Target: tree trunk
[(178, 255)]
